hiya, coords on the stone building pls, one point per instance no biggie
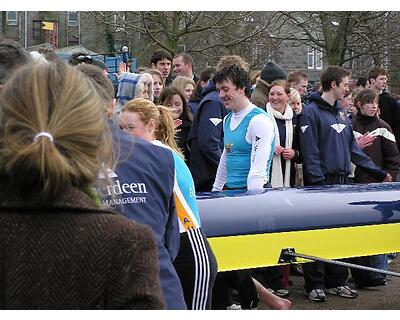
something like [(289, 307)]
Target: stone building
[(26, 27), (72, 28)]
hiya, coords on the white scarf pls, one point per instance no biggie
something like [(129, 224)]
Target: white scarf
[(277, 179)]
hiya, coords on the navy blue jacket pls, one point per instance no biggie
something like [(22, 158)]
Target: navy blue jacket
[(142, 190), (390, 113), (206, 137), (194, 105), (327, 143)]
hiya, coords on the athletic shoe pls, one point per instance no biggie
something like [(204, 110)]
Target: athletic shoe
[(234, 307), (279, 292), (343, 291), (317, 295), (391, 257)]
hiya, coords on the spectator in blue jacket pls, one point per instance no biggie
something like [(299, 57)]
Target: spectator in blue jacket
[(206, 138), (328, 148), (205, 75), (142, 190)]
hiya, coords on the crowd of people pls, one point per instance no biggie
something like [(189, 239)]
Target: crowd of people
[(99, 183)]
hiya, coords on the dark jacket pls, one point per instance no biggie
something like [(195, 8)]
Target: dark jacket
[(383, 151), (194, 105), (206, 138), (390, 113), (70, 254), (169, 80), (182, 138), (328, 145), (142, 190)]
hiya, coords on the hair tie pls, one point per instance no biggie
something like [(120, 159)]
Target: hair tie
[(43, 134)]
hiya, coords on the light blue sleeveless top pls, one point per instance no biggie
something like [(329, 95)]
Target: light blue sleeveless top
[(238, 150)]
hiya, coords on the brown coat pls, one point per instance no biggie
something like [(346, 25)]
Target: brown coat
[(383, 151), (260, 95), (73, 255)]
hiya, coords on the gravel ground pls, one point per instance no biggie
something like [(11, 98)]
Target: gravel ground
[(378, 298)]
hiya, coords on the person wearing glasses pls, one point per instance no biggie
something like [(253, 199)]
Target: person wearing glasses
[(142, 189)]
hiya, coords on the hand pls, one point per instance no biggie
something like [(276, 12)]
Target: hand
[(388, 178), (122, 68), (365, 140), (288, 153), (278, 150), (177, 123)]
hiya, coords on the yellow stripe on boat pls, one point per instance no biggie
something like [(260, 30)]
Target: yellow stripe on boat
[(259, 250)]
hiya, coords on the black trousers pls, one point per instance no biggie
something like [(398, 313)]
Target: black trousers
[(241, 281), (197, 268), (320, 275), (205, 186), (269, 277)]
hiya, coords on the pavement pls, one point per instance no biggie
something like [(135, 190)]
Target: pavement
[(375, 298)]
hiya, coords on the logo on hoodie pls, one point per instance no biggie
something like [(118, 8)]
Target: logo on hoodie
[(215, 121), (338, 127), (118, 193)]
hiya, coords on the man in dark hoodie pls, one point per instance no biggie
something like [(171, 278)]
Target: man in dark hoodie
[(205, 138), (328, 148), (269, 74), (388, 106)]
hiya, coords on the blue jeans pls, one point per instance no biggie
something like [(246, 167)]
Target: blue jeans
[(380, 261)]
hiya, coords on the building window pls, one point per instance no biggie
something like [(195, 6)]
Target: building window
[(12, 18), (72, 18), (310, 58), (37, 32), (318, 59), (314, 58)]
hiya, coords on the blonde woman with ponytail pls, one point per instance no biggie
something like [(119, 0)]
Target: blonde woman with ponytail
[(195, 263), (59, 250)]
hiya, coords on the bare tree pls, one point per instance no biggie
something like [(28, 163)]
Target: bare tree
[(203, 34), (344, 36)]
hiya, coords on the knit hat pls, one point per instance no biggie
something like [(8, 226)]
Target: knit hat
[(272, 72)]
